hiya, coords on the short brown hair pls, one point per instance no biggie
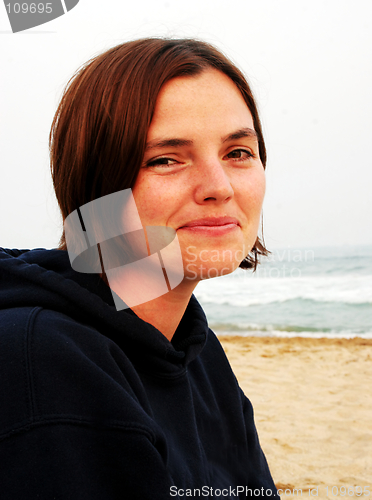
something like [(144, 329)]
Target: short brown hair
[(99, 132)]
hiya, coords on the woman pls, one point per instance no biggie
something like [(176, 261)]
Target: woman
[(103, 401)]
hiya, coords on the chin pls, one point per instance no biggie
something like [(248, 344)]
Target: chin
[(201, 270), (213, 262)]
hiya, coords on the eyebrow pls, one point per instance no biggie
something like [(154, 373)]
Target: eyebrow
[(165, 143), (177, 143), (239, 134)]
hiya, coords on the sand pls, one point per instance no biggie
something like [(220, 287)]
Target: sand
[(313, 410)]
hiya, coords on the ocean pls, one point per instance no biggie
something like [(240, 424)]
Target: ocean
[(319, 292)]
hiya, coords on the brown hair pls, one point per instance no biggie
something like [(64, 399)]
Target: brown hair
[(98, 135)]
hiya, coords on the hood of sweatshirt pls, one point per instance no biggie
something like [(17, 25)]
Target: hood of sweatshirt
[(45, 278)]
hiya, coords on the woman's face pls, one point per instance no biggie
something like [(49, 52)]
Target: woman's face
[(201, 173)]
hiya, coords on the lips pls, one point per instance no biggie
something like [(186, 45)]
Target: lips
[(211, 222)]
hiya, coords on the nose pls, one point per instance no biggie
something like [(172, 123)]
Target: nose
[(212, 183)]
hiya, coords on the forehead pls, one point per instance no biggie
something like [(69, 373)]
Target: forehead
[(206, 100)]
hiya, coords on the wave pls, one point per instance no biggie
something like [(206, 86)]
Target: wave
[(304, 334), (252, 327), (356, 290), (288, 331)]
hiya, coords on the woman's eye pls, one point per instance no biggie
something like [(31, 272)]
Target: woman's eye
[(162, 162), (240, 154)]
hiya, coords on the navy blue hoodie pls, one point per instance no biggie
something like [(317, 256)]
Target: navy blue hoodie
[(97, 404)]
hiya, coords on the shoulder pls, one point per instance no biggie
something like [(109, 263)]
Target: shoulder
[(225, 378), (57, 369), (36, 331), (214, 353), (213, 370)]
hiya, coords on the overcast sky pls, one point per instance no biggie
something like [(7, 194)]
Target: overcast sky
[(309, 64)]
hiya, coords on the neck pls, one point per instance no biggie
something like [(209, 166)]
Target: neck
[(166, 312)]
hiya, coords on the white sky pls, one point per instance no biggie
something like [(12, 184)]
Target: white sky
[(309, 64)]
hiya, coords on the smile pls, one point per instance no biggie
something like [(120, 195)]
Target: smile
[(212, 225)]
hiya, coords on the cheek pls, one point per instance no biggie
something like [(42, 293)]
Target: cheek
[(260, 189), (251, 193), (155, 200), (143, 195)]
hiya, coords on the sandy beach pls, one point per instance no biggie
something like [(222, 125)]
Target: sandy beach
[(313, 410)]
